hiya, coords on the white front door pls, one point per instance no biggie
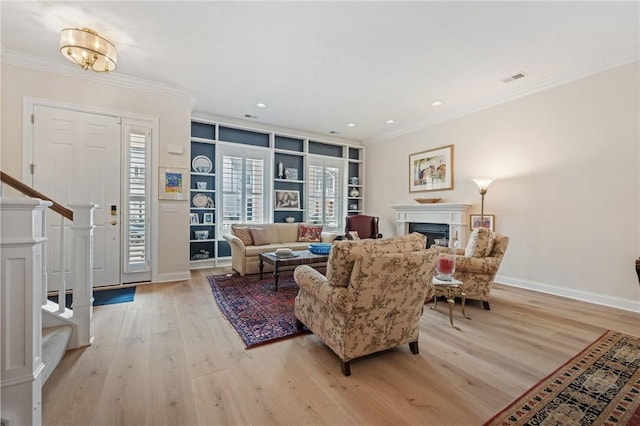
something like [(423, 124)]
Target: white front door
[(76, 158)]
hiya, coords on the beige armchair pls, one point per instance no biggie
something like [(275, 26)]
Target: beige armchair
[(478, 270), (372, 297)]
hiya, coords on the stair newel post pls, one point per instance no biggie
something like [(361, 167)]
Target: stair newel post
[(82, 270), (45, 272), (62, 290), (22, 246)]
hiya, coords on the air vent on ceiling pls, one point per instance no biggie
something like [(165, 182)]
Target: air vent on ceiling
[(253, 117), (514, 77), (333, 132)]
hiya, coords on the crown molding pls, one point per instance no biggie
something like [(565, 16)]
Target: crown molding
[(11, 57), (605, 63)]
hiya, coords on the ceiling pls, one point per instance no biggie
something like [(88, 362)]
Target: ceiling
[(319, 66)]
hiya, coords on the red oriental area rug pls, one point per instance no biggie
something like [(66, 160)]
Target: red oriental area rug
[(599, 386), (258, 313)]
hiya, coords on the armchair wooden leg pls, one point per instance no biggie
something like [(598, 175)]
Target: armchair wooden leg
[(486, 306), (414, 348), (346, 368), (299, 325)]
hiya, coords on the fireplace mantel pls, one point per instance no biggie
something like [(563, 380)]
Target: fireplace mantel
[(452, 214)]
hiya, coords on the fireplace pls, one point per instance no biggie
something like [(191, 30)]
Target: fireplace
[(433, 219), (432, 231)]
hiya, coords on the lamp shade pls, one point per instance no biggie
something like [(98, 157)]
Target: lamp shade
[(483, 183), (88, 49)]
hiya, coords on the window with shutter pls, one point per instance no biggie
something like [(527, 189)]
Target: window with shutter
[(324, 199), (243, 183), (136, 216)]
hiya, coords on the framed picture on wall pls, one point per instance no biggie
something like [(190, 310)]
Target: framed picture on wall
[(431, 170), (488, 221), (172, 183), (287, 200)]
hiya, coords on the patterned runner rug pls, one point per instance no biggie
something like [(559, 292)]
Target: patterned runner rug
[(258, 313), (599, 386)]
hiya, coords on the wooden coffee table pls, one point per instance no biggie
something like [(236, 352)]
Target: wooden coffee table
[(300, 257)]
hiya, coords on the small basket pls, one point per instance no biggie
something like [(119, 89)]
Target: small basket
[(320, 248)]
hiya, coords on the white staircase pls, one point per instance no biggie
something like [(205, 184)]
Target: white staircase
[(29, 352), (54, 345)]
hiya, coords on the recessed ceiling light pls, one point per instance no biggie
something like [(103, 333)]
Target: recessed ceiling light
[(351, 125), (261, 105), (436, 103), (390, 121)]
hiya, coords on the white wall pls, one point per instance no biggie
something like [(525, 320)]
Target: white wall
[(174, 114), (567, 189)]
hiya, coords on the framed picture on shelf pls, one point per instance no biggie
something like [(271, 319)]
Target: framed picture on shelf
[(207, 218), (195, 220), (431, 170), (287, 199), (488, 221), (291, 174), (171, 185)]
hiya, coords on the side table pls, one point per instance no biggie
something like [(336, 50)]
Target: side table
[(450, 290)]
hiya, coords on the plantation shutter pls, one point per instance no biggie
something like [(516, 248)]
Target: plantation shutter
[(136, 254), (324, 199), (244, 195)]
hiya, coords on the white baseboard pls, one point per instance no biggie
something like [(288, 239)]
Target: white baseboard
[(179, 276), (585, 296)]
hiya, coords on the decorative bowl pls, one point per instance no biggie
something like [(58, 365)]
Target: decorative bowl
[(428, 200), (320, 248), (289, 219)]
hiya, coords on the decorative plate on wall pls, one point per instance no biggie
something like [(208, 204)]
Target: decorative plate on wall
[(200, 200), (202, 164)]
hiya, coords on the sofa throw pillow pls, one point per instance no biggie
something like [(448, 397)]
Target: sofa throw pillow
[(480, 243), (309, 232), (243, 233), (259, 236)]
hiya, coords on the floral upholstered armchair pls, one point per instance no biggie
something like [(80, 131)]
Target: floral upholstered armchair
[(372, 297), (478, 263)]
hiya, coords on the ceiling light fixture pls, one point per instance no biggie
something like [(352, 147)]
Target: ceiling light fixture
[(88, 49), (436, 103), (261, 105), (390, 121), (351, 125)]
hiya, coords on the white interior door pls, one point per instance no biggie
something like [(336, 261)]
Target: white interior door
[(76, 157)]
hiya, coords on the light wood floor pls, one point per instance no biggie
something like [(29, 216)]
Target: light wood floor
[(170, 358)]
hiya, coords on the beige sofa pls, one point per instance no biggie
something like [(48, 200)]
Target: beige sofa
[(245, 259)]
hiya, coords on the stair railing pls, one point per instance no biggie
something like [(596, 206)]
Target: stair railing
[(81, 263)]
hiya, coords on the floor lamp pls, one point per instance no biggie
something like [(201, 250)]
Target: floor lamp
[(483, 185)]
